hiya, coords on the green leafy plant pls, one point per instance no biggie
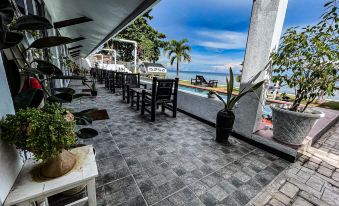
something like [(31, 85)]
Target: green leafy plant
[(44, 132), (178, 51), (231, 99), (307, 59)]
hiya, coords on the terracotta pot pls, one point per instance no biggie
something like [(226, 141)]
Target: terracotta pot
[(58, 166)]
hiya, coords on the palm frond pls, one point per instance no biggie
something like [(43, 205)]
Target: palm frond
[(235, 99)]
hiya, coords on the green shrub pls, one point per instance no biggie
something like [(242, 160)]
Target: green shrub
[(44, 132)]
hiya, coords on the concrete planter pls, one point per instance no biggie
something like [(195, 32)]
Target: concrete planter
[(292, 127)]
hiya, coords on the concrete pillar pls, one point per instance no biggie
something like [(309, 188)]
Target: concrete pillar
[(264, 34), (10, 160)]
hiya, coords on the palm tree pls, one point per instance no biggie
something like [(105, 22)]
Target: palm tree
[(178, 51)]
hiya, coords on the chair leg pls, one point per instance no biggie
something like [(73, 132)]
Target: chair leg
[(153, 106), (138, 101), (143, 103), (163, 107), (128, 96), (174, 108), (132, 99), (123, 94)]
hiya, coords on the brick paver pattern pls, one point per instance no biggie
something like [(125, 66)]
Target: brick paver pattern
[(312, 180)]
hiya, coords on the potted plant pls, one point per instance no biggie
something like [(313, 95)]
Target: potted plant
[(225, 117), (211, 94), (47, 133), (307, 60)]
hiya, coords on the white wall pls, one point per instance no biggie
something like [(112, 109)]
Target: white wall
[(10, 161)]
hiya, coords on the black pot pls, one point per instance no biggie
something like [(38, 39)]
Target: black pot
[(94, 93), (224, 125)]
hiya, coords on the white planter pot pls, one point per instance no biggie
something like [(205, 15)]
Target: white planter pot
[(292, 127)]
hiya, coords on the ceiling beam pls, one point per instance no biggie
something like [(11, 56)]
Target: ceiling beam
[(76, 51), (70, 22), (75, 47), (78, 39)]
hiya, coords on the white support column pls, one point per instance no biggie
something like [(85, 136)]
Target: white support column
[(264, 34), (10, 160)]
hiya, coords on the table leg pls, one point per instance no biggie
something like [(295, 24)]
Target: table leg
[(92, 198)]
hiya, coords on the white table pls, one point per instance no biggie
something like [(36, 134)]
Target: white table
[(26, 191)]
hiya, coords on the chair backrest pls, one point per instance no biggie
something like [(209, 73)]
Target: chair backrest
[(201, 79), (163, 88), (133, 80), (118, 78)]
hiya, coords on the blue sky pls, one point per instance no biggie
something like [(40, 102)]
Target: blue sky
[(217, 29)]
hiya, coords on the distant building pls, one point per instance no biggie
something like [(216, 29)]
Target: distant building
[(151, 70)]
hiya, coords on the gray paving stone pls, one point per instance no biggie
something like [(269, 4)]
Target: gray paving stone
[(275, 202), (172, 157), (218, 193), (301, 202), (330, 196), (315, 183), (289, 189), (325, 171), (282, 198)]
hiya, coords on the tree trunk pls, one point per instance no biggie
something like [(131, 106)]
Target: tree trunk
[(177, 68)]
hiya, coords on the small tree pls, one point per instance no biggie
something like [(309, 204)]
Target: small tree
[(307, 59), (178, 51)]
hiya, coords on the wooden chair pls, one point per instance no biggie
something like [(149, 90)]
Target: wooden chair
[(200, 80), (131, 84), (108, 79), (164, 92), (117, 81)]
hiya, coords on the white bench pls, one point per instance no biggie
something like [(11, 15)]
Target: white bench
[(26, 191)]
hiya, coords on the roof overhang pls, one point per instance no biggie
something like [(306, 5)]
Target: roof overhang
[(109, 18)]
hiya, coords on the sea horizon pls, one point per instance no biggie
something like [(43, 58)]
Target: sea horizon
[(221, 77)]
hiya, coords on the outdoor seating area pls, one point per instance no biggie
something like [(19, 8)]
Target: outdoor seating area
[(92, 111), (173, 161), (163, 92), (200, 80)]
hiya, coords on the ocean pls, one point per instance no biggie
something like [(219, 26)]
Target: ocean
[(221, 77)]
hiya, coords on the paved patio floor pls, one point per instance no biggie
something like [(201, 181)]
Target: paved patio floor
[(312, 180), (173, 161)]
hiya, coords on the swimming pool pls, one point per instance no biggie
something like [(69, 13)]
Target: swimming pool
[(267, 110)]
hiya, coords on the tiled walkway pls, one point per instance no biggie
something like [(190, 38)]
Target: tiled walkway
[(171, 161), (312, 180)]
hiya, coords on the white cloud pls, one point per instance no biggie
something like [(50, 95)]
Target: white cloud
[(222, 39)]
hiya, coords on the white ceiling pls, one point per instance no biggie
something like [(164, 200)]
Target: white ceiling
[(109, 17)]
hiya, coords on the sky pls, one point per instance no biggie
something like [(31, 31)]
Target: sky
[(217, 29)]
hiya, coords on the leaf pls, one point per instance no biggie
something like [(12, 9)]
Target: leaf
[(61, 98), (46, 68), (86, 133), (83, 120), (65, 90), (241, 94), (32, 22), (79, 95), (13, 76), (9, 39), (51, 41), (6, 11)]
